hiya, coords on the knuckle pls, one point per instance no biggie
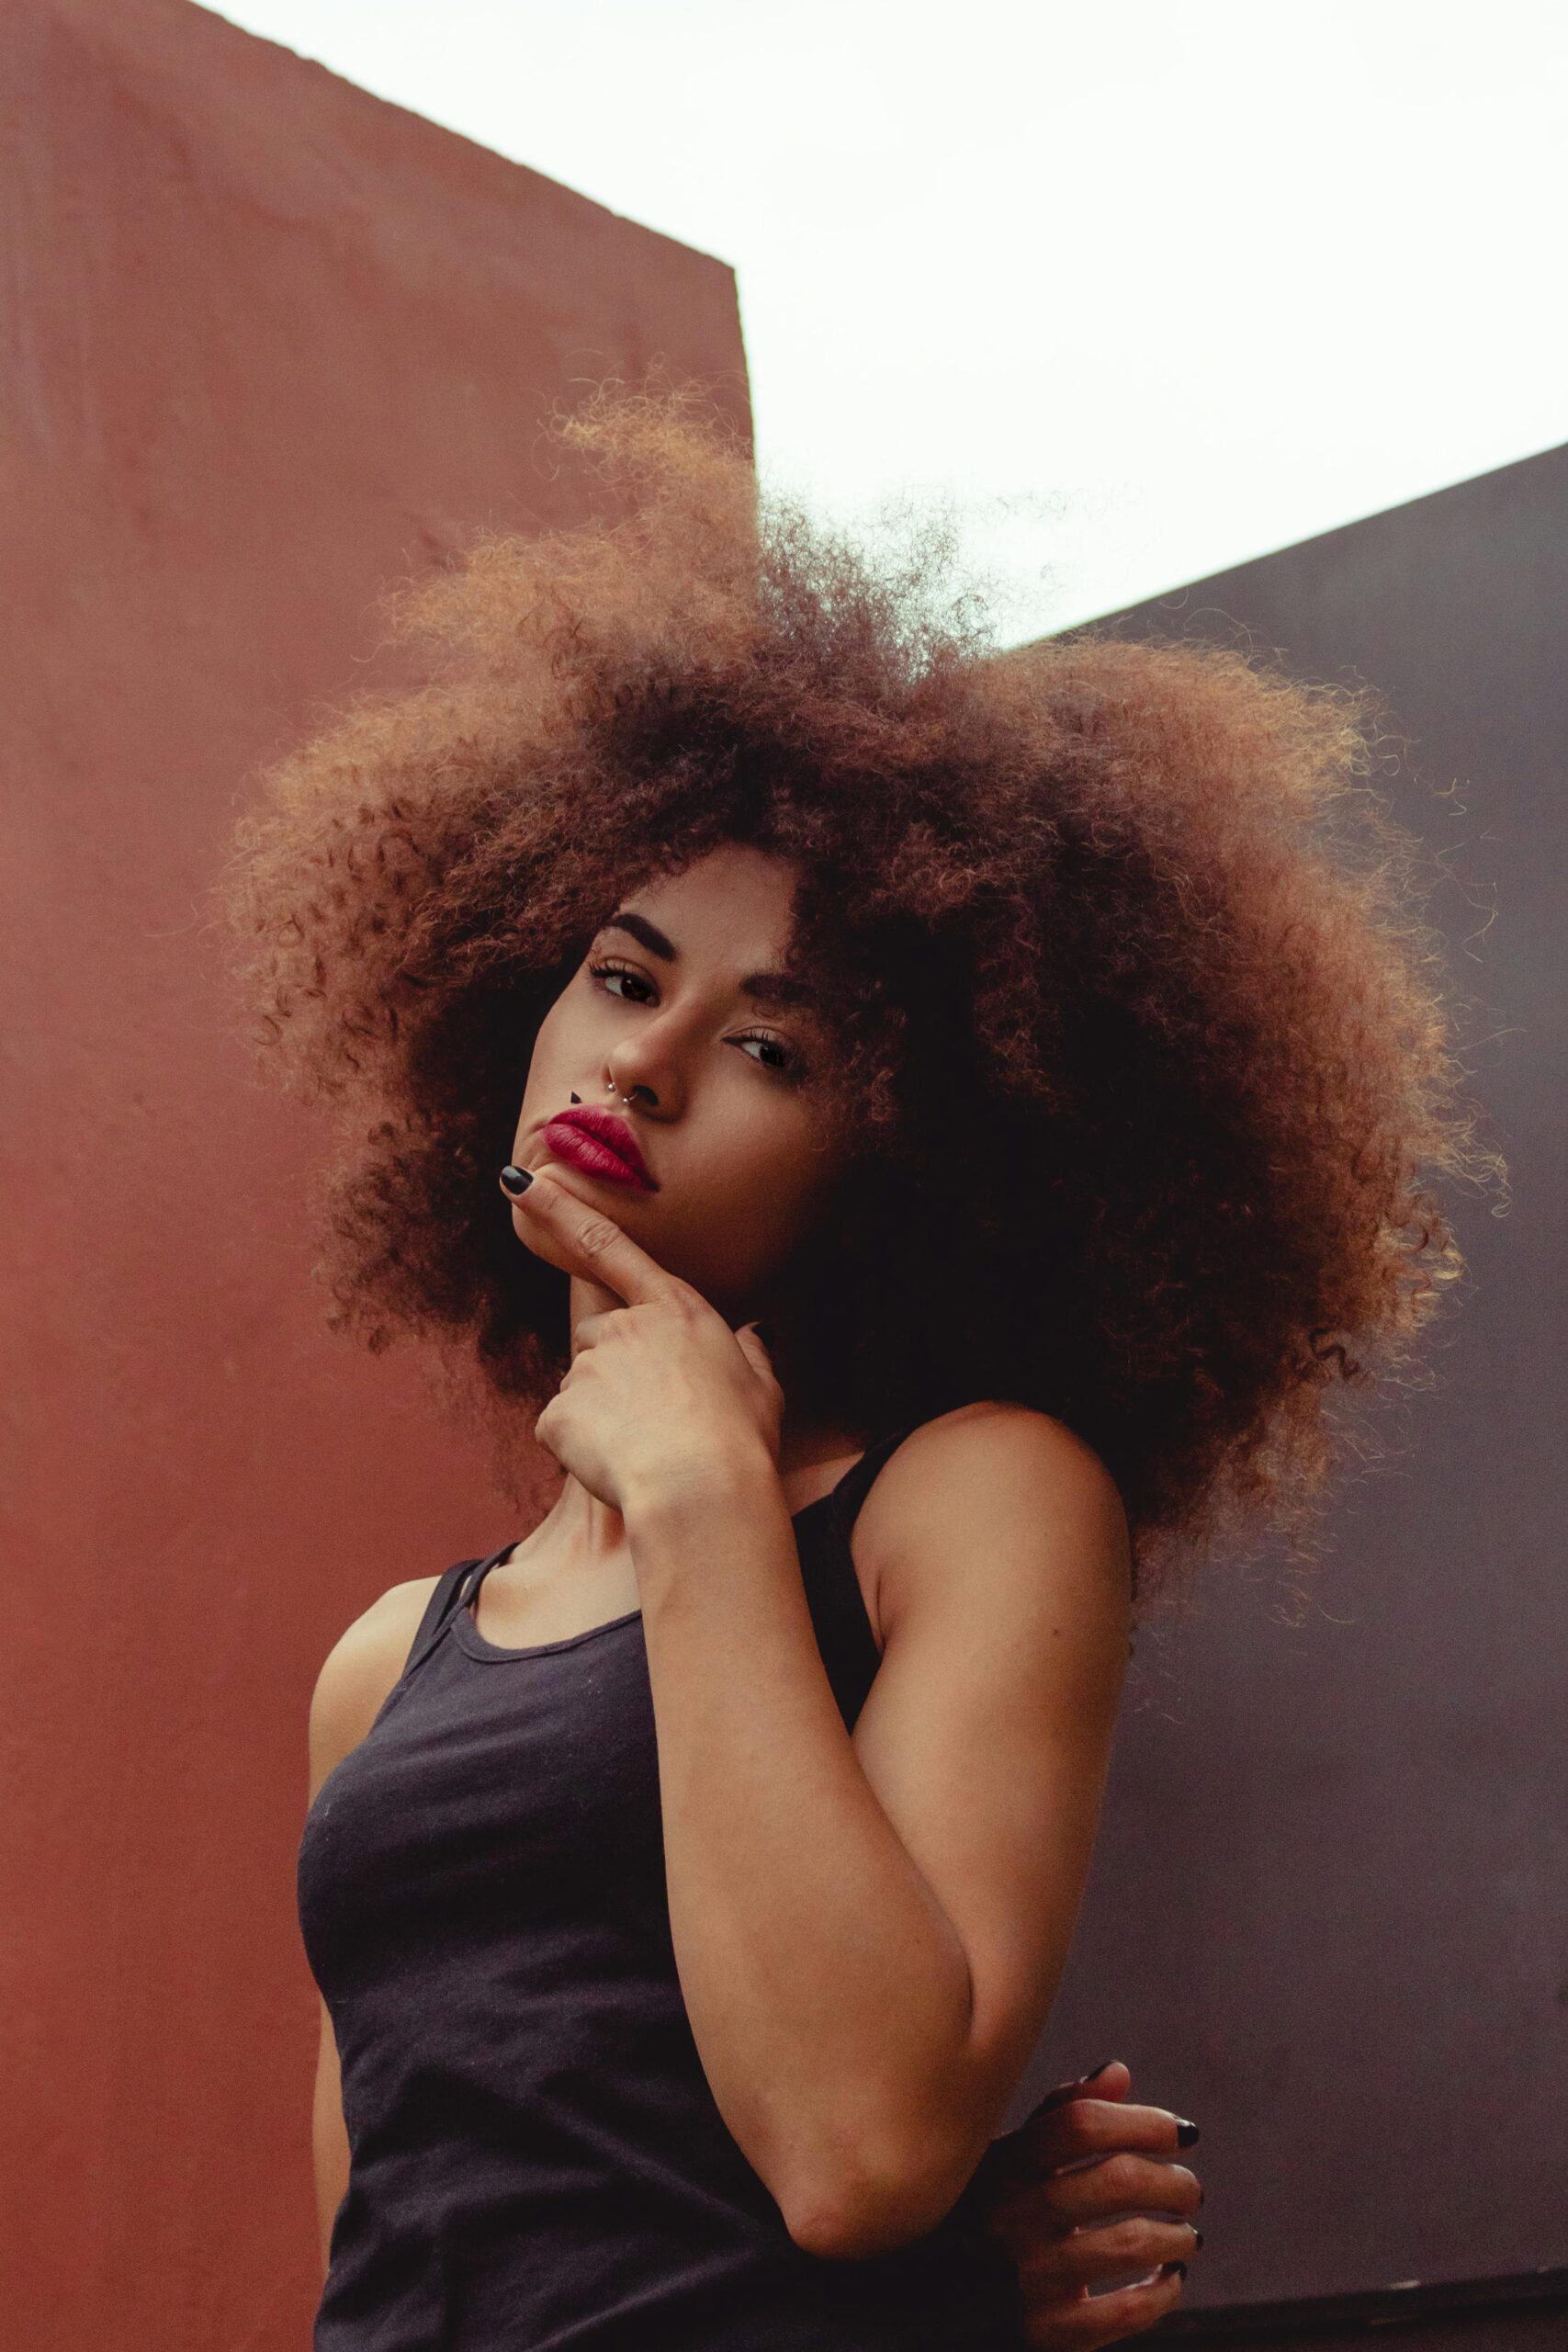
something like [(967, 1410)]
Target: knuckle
[(1134, 2240), (1119, 2178), (595, 1235)]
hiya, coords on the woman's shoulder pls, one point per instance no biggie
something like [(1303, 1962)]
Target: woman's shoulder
[(376, 1631), (992, 1436), (359, 1670), (1000, 1480)]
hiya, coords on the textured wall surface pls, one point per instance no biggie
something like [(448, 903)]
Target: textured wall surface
[(1329, 1917), (267, 341)]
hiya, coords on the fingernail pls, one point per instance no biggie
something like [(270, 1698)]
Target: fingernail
[(1095, 2072), (1196, 2240), (765, 1332), (1185, 2134), (1174, 2269), (516, 1180)]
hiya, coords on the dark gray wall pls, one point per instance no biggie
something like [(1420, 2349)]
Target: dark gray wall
[(1329, 1912)]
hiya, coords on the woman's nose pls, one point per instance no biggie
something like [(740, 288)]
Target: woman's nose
[(628, 1078), (647, 1065)]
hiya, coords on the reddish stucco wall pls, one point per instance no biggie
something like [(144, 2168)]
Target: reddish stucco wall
[(266, 342)]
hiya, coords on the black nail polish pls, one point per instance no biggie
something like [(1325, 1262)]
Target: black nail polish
[(516, 1180), (1096, 2071), (1185, 2134), (1177, 2269), (1196, 2240)]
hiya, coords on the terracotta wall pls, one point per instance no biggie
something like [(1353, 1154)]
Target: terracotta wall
[(267, 341)]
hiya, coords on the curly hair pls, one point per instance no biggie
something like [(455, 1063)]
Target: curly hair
[(1144, 1065)]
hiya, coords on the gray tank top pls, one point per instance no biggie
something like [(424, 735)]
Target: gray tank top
[(537, 2162)]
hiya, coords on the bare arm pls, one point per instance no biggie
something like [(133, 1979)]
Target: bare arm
[(869, 1932), (329, 2139), (350, 1688)]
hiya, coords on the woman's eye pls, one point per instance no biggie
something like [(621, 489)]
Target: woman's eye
[(775, 1054), (620, 972), (786, 1063)]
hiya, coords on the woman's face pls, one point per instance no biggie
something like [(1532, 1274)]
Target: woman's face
[(676, 1006)]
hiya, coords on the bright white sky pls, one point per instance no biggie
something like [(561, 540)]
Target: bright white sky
[(1150, 288)]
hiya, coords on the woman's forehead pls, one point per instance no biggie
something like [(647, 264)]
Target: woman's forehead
[(733, 902)]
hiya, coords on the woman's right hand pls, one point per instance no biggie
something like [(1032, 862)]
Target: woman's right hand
[(1085, 2189)]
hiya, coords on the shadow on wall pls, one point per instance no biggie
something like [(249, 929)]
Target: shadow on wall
[(1329, 1909)]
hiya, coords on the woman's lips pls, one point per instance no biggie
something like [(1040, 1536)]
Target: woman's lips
[(573, 1144)]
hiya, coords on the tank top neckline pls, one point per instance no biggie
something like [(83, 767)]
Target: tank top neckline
[(464, 1628)]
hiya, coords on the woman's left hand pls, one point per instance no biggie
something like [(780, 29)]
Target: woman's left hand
[(1088, 2188), (660, 1394)]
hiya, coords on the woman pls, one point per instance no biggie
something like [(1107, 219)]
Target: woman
[(956, 1113)]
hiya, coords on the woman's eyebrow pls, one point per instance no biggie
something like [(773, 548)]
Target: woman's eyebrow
[(766, 988), (639, 928)]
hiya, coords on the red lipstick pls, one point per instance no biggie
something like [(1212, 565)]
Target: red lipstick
[(601, 1145)]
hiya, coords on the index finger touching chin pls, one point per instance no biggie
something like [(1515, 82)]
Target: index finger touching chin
[(576, 1236)]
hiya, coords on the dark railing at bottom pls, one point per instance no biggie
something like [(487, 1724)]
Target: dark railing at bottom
[(1378, 2307)]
